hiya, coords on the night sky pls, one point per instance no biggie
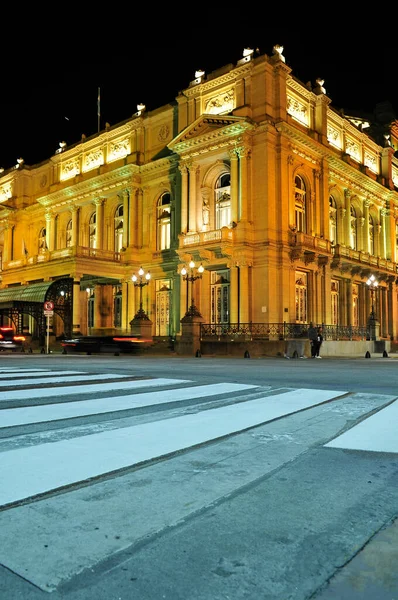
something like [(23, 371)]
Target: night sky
[(49, 85)]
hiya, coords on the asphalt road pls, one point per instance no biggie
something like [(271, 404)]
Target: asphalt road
[(270, 513)]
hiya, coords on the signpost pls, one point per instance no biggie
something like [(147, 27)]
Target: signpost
[(48, 312)]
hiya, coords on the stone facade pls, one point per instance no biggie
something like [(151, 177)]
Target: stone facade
[(288, 204)]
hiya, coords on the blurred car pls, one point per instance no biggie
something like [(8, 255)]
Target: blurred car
[(97, 344), (9, 340)]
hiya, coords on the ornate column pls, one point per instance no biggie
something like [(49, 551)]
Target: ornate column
[(365, 242), (244, 293), (360, 232), (99, 222), (193, 170), (184, 198), (340, 237), (233, 294), (132, 217), (125, 196), (74, 237), (347, 194), (383, 214), (243, 208), (76, 317), (234, 186), (49, 223), (140, 217)]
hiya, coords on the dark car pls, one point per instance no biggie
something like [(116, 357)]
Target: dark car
[(9, 340), (96, 344)]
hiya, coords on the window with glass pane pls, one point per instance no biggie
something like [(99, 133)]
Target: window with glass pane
[(69, 233), (353, 229), (371, 236), (92, 230), (355, 311), (300, 204), (335, 301), (301, 297), (163, 222), (119, 223), (223, 201), (42, 240), (220, 296), (332, 221)]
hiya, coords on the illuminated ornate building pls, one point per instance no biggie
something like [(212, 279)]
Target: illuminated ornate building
[(288, 204)]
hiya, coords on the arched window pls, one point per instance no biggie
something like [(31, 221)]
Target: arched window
[(163, 222), (92, 231), (42, 240), (223, 201), (300, 204), (119, 225), (69, 233), (353, 229), (371, 236), (332, 221)]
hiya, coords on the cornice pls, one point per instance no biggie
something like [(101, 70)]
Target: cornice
[(96, 186), (224, 79)]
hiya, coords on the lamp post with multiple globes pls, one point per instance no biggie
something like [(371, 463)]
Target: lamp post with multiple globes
[(141, 281), (373, 284), (191, 277)]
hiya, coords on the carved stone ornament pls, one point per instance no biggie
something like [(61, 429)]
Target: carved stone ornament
[(163, 133)]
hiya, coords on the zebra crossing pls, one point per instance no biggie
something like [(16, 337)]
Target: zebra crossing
[(103, 476)]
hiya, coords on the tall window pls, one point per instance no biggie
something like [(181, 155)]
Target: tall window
[(223, 201), (353, 229), (119, 224), (301, 297), (117, 306), (371, 236), (42, 240), (335, 302), (220, 296), (355, 311), (163, 222), (69, 233), (300, 204), (332, 221), (92, 231)]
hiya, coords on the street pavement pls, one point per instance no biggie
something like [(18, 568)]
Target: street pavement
[(137, 487)]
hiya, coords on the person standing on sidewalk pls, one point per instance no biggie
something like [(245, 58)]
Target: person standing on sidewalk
[(318, 343), (313, 336)]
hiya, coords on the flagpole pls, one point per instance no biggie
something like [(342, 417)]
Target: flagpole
[(99, 108)]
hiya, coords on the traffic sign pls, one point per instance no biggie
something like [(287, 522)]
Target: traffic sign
[(48, 305), (48, 313)]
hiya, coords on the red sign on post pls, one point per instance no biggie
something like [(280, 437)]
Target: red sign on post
[(48, 305)]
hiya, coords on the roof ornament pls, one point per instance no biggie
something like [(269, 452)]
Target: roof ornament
[(319, 89), (277, 51)]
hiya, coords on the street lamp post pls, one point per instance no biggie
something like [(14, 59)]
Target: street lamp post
[(141, 281), (192, 310), (372, 283)]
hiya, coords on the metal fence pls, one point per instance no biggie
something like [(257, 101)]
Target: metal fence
[(278, 331)]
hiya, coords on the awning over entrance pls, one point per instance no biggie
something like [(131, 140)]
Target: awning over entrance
[(35, 292)]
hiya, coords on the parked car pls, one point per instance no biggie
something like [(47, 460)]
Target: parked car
[(97, 344), (9, 340)]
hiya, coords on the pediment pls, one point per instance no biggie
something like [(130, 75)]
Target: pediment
[(208, 128)]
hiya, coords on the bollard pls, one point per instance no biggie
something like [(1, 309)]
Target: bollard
[(367, 355), (385, 355), (198, 354), (42, 351), (247, 354), (295, 354)]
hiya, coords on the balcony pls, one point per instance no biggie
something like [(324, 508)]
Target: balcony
[(62, 254)]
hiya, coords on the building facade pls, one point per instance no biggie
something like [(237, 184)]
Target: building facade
[(288, 204)]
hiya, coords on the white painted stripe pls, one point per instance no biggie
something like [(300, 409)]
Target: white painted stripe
[(39, 373), (67, 410), (377, 433), (11, 369), (88, 389), (51, 379), (26, 472)]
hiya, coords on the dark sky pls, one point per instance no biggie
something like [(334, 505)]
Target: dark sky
[(48, 85)]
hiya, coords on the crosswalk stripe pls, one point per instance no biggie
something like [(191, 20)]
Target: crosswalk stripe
[(28, 472), (69, 410), (51, 379), (377, 433), (88, 389), (35, 375)]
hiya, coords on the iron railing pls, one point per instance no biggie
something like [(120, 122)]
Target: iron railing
[(278, 331)]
